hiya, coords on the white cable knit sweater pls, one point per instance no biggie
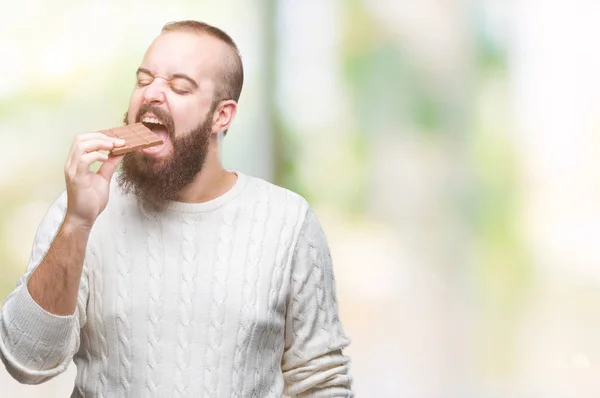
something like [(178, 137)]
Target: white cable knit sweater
[(234, 297)]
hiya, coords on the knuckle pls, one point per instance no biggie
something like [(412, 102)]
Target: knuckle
[(70, 174)]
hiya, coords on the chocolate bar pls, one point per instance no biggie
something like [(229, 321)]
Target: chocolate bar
[(136, 136)]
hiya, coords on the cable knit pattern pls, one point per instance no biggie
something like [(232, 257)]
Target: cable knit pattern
[(269, 339), (155, 273), (312, 319), (81, 379), (123, 305), (249, 289), (217, 313), (233, 297), (298, 317), (100, 332), (185, 325), (82, 365)]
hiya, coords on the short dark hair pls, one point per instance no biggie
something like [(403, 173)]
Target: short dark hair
[(232, 76)]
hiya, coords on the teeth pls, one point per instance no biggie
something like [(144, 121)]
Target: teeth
[(151, 120)]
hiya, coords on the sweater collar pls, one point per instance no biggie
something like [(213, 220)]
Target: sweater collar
[(213, 204)]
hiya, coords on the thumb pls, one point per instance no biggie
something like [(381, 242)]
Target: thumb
[(108, 167)]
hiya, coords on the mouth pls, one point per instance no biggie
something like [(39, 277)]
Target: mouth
[(158, 128)]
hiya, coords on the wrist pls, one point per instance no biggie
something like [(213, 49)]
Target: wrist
[(76, 224)]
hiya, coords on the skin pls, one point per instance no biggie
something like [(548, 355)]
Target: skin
[(178, 75)]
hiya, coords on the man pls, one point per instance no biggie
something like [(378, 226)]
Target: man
[(175, 277)]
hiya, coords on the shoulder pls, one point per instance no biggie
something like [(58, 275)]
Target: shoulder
[(280, 199)]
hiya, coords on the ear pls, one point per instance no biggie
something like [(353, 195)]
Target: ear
[(224, 115)]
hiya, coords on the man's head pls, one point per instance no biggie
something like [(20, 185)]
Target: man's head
[(187, 90)]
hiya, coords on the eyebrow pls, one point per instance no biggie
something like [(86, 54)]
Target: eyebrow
[(172, 76)]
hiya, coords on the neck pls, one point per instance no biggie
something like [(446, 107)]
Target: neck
[(211, 182)]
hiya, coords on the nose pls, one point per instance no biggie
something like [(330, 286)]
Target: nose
[(154, 93)]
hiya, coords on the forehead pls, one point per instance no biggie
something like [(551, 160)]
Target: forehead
[(183, 52)]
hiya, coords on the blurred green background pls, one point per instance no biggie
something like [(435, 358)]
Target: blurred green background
[(449, 148)]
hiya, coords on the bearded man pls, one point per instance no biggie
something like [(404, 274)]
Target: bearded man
[(175, 277)]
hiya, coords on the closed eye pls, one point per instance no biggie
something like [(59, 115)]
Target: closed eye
[(180, 91)]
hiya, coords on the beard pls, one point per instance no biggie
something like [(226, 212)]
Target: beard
[(156, 181)]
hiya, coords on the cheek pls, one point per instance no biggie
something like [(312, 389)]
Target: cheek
[(131, 114), (187, 117), (135, 101)]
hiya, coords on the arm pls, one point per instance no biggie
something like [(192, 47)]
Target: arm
[(55, 282), (41, 319), (313, 363), (36, 344)]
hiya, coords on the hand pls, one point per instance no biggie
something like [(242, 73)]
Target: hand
[(87, 192)]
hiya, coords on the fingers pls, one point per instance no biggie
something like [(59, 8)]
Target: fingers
[(92, 146), (84, 151), (91, 142), (83, 166), (109, 166)]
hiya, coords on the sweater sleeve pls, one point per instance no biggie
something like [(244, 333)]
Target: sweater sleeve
[(313, 363), (36, 345)]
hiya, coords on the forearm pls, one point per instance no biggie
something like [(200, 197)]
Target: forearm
[(36, 344), (54, 284)]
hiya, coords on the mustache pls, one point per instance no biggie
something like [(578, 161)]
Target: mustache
[(160, 114)]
